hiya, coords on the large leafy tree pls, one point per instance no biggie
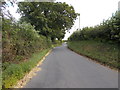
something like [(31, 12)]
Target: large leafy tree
[(50, 19)]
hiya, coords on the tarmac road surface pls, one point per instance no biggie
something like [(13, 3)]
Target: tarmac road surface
[(63, 68)]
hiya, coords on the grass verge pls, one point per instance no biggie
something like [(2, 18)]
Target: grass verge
[(15, 72), (104, 53)]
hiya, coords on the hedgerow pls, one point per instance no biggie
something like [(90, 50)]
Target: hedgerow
[(20, 40), (108, 31), (100, 42)]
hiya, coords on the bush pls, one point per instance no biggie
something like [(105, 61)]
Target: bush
[(20, 40)]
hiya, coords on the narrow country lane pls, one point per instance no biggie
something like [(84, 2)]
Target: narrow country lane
[(63, 68)]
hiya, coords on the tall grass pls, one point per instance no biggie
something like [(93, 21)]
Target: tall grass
[(104, 53), (15, 72)]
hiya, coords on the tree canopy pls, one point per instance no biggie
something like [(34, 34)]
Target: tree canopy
[(50, 19)]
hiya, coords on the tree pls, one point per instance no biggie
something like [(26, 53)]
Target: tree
[(50, 19)]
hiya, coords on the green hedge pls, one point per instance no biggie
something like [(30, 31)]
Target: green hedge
[(107, 31), (20, 40), (19, 43)]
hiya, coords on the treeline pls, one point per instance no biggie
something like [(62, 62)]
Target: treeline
[(108, 30)]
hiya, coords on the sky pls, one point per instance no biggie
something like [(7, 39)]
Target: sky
[(92, 12)]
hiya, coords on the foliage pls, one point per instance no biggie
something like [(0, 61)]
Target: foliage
[(56, 43), (40, 23), (20, 40), (51, 19), (15, 72), (104, 46), (108, 31), (65, 41), (104, 53)]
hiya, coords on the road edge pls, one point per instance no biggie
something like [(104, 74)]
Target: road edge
[(21, 83), (92, 59)]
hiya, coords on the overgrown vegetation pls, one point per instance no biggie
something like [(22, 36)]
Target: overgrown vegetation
[(38, 30), (108, 31), (14, 72), (100, 42), (20, 40)]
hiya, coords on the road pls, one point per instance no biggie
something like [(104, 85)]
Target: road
[(63, 68)]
